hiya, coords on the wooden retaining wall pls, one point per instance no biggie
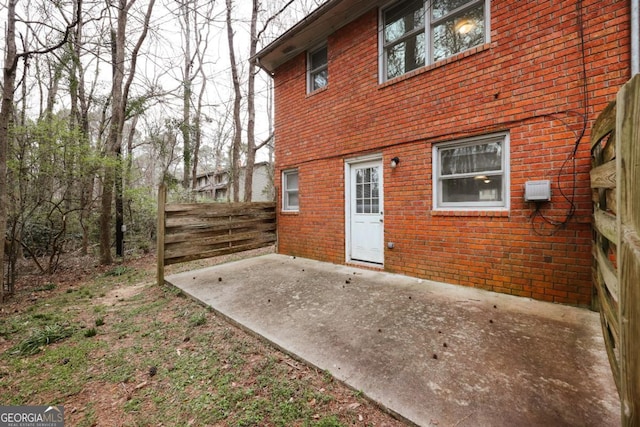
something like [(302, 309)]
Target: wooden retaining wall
[(189, 232), (615, 181)]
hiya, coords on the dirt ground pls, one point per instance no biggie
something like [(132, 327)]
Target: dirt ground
[(141, 354)]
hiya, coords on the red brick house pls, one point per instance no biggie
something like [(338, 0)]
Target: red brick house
[(447, 139)]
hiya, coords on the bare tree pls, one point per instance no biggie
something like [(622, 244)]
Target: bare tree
[(119, 98), (237, 119), (6, 113), (203, 44), (251, 104), (187, 81), (195, 19), (82, 100)]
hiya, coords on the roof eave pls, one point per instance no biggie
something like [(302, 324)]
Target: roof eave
[(312, 30)]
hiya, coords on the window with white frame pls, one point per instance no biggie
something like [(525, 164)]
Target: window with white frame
[(472, 173), (290, 198), (317, 69), (420, 32)]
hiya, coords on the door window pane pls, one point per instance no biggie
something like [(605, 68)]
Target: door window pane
[(367, 191)]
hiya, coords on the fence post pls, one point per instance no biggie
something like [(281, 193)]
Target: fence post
[(162, 200), (628, 201)]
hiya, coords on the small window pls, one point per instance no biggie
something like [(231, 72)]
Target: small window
[(318, 69), (472, 173), (290, 199), (419, 32)]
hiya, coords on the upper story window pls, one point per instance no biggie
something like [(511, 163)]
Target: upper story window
[(472, 173), (290, 195), (420, 32), (317, 69)]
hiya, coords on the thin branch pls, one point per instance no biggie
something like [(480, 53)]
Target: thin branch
[(265, 142), (271, 18), (136, 50), (58, 45)]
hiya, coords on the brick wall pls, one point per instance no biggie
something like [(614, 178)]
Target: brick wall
[(527, 81)]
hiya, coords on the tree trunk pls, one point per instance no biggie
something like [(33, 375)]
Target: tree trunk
[(6, 114), (119, 202), (113, 146), (251, 107), (185, 128), (197, 137), (237, 122)]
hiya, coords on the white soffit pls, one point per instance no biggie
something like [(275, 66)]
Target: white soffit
[(312, 30)]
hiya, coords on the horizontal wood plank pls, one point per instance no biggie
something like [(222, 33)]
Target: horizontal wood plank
[(203, 245), (200, 221), (217, 252), (609, 345), (186, 236), (217, 208), (605, 224), (604, 176), (608, 272)]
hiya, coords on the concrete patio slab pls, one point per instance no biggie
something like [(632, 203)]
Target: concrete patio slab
[(435, 354)]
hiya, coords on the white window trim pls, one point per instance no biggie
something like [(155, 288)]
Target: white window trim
[(311, 71), (382, 53), (438, 205), (285, 191)]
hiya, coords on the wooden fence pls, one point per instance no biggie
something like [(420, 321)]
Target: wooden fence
[(615, 181), (189, 232)]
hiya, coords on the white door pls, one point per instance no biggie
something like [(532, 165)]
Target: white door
[(365, 210)]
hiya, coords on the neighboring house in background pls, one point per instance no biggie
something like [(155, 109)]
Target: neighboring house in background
[(408, 130), (218, 186)]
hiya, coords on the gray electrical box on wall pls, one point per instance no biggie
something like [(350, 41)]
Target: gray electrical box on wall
[(537, 191)]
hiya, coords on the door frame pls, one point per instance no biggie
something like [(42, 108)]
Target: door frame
[(348, 164)]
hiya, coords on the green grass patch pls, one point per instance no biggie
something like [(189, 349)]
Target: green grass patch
[(118, 271), (41, 337), (46, 287), (198, 319)]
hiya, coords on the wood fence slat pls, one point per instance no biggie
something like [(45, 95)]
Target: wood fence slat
[(608, 307), (605, 224), (217, 208), (628, 161), (202, 245), (178, 236), (612, 202), (610, 344), (604, 124), (604, 176), (200, 221), (218, 252), (608, 271), (609, 150)]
